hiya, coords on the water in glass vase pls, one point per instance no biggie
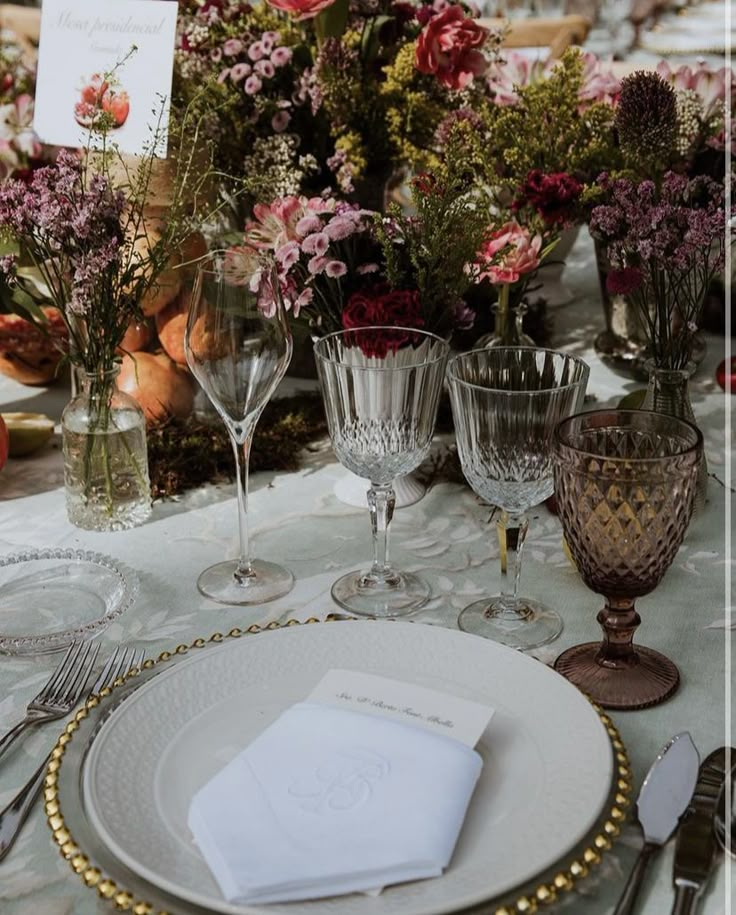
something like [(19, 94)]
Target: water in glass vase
[(105, 459)]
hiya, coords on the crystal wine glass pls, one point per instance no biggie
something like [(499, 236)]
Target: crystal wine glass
[(506, 403), (625, 484), (381, 388), (238, 346)]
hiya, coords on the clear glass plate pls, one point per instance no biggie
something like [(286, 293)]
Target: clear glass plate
[(50, 597)]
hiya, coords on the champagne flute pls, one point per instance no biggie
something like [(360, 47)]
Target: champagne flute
[(238, 346)]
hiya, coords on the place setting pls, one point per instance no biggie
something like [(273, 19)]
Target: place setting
[(368, 556)]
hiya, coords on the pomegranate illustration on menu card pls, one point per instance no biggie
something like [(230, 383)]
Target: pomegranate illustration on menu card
[(101, 98)]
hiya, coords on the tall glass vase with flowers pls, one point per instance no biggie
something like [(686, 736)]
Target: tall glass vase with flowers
[(665, 245), (81, 225)]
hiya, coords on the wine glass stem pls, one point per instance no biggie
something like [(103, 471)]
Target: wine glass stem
[(381, 502), (244, 570), (512, 529), (619, 621)]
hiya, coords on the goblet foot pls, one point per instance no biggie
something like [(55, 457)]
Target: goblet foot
[(529, 625), (365, 595), (648, 680), (267, 582)]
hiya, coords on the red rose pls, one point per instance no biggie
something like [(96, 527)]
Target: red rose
[(624, 281), (301, 9), (448, 47), (387, 307), (553, 196)]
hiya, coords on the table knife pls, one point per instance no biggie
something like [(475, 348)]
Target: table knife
[(696, 848)]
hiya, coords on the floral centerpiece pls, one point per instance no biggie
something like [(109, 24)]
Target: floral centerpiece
[(315, 95), (80, 224), (341, 266)]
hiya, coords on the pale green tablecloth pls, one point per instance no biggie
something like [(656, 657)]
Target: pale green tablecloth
[(297, 520)]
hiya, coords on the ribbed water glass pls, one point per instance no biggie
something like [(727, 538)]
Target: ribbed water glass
[(506, 403), (381, 388)]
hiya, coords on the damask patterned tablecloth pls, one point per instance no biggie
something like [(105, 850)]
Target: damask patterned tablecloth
[(449, 537)]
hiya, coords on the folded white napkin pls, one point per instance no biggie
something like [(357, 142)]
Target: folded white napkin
[(329, 801)]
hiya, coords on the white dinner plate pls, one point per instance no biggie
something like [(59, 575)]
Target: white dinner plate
[(546, 777)]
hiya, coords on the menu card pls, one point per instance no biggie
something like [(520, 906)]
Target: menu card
[(110, 59)]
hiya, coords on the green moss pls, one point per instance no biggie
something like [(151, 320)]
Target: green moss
[(184, 455)]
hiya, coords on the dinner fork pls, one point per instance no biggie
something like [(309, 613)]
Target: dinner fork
[(59, 696), (14, 815)]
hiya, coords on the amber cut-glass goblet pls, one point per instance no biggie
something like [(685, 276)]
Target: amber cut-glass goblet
[(625, 484)]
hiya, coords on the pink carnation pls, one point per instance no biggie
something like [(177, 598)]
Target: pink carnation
[(448, 47)]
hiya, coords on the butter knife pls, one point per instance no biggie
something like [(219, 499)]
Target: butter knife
[(696, 849), (663, 797)]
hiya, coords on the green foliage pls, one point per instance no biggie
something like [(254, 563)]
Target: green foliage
[(549, 129), (431, 248)]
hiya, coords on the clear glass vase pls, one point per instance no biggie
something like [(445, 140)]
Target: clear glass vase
[(507, 326), (105, 460), (668, 392)]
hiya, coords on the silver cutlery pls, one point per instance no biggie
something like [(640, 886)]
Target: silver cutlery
[(724, 821), (697, 850), (60, 694), (14, 815), (663, 797)]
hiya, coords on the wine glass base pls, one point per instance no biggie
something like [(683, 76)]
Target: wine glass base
[(353, 593), (651, 681), (533, 626), (268, 582)]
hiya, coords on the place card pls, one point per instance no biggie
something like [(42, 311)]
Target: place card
[(105, 57), (451, 716)]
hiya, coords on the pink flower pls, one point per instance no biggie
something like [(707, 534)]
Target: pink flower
[(599, 85), (274, 225), (509, 254), (301, 9), (367, 268), (709, 85), (317, 265), (340, 227), (240, 71), (241, 264), (309, 224), (232, 47), (316, 244), (448, 47), (335, 269), (281, 56), (304, 299), (255, 51), (265, 68), (287, 255), (223, 75), (506, 76), (253, 85), (280, 121), (266, 44)]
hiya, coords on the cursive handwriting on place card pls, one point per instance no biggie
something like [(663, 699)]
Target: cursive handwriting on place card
[(460, 719)]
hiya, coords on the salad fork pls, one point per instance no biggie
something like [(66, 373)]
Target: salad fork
[(14, 815), (60, 694)]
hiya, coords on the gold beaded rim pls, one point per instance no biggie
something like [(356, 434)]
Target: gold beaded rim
[(564, 881)]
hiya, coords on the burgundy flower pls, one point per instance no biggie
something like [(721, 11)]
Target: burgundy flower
[(623, 281), (553, 196), (382, 306)]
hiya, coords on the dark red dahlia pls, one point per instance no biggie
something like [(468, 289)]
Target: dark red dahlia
[(553, 196)]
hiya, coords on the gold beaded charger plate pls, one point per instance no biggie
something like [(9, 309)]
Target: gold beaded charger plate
[(550, 797)]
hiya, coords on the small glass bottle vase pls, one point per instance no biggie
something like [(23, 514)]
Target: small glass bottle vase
[(105, 459), (668, 392), (507, 327)]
